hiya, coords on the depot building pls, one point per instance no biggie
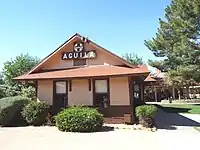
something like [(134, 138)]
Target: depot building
[(81, 73)]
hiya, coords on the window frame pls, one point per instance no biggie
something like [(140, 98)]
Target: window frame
[(95, 94)]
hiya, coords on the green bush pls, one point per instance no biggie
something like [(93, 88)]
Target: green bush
[(36, 113), (79, 119), (146, 113), (28, 92), (10, 110)]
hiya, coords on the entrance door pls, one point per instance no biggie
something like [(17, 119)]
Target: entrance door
[(60, 99), (137, 93), (101, 94)]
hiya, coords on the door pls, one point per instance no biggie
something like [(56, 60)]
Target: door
[(137, 93), (101, 94), (60, 99)]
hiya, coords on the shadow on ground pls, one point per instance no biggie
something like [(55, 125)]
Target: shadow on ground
[(174, 109), (107, 128), (171, 121)]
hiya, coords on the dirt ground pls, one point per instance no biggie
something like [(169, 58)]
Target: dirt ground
[(49, 138)]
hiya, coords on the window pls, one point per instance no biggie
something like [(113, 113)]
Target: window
[(137, 91), (61, 87), (101, 86), (101, 93), (79, 62)]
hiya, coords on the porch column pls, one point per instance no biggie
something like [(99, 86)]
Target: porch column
[(132, 102), (155, 93), (36, 87)]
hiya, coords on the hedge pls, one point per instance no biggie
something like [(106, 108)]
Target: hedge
[(79, 119), (10, 110)]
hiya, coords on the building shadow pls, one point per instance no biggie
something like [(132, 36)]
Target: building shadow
[(107, 129), (171, 121)]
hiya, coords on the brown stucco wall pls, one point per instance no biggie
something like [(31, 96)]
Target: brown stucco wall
[(45, 91), (119, 91), (80, 94)]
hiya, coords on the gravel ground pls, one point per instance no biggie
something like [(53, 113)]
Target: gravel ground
[(49, 138)]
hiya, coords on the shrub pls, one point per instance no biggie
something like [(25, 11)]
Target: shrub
[(146, 113), (28, 92), (35, 113), (79, 119), (10, 110)]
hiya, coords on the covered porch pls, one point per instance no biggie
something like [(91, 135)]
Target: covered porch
[(114, 90)]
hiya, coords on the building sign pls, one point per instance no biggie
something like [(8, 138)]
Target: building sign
[(79, 52)]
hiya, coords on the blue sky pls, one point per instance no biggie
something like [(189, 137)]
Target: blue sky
[(38, 27)]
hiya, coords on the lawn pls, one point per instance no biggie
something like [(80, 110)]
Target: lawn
[(181, 108), (197, 128)]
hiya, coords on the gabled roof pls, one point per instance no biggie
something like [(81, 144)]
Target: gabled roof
[(94, 44), (92, 71)]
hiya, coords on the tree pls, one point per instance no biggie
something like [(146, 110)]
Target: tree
[(13, 68), (133, 58), (177, 42), (2, 89)]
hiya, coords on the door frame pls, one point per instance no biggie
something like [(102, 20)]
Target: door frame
[(94, 91), (54, 91)]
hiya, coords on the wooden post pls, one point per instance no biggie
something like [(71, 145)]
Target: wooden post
[(155, 92), (132, 103)]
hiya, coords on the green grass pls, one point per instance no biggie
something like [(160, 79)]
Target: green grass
[(181, 108), (197, 128)]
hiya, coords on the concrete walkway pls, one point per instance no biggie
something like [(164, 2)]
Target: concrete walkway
[(174, 121), (194, 117)]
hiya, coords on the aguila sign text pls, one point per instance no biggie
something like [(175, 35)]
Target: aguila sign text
[(79, 53)]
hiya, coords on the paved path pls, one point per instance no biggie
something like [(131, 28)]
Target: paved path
[(49, 138), (194, 117), (174, 121)]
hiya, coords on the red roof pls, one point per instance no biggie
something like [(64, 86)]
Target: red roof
[(149, 79), (92, 71)]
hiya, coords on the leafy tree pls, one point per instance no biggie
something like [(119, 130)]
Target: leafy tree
[(13, 68), (1, 78), (133, 58), (177, 42)]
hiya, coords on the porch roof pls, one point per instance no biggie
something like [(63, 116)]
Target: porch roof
[(92, 71), (149, 79)]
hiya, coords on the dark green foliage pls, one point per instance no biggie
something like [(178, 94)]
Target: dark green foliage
[(10, 110), (20, 65), (14, 68), (146, 113), (177, 42), (79, 119), (133, 58), (36, 113)]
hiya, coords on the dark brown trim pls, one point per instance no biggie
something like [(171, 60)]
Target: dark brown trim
[(70, 85), (89, 84), (54, 90), (108, 89), (108, 86), (36, 87)]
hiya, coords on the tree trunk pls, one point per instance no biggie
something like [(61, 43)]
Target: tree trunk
[(187, 92), (179, 94)]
